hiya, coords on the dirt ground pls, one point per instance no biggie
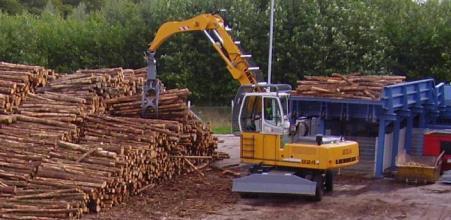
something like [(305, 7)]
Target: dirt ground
[(209, 197), (187, 197)]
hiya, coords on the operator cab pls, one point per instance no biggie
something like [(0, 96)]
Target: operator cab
[(264, 111)]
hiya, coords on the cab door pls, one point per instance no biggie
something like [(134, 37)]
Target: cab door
[(250, 116), (273, 118)]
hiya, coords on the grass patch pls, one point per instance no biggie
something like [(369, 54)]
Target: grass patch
[(219, 118), (221, 130)]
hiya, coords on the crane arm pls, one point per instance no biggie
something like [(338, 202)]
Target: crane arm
[(197, 23), (213, 26), (239, 65)]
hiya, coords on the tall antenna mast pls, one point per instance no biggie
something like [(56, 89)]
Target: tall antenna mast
[(271, 30)]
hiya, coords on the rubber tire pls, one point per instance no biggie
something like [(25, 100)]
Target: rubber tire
[(319, 190), (252, 169), (329, 181)]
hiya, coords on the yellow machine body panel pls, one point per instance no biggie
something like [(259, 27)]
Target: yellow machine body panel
[(268, 149)]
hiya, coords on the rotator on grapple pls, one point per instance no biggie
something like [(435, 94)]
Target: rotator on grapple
[(151, 89)]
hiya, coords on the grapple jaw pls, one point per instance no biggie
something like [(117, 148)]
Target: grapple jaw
[(151, 89)]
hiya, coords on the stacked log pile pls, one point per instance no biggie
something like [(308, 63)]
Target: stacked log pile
[(55, 106), (197, 138), (352, 86), (26, 143), (117, 82), (110, 162), (145, 145), (142, 72), (115, 157), (36, 131), (96, 86), (45, 204), (134, 81), (172, 105), (17, 80), (59, 160)]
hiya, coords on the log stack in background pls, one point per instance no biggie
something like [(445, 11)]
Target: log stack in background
[(56, 106), (17, 80), (62, 155), (117, 82), (352, 86), (97, 85), (142, 72), (172, 105)]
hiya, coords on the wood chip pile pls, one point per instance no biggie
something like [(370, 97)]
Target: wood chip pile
[(17, 80), (62, 155), (352, 86)]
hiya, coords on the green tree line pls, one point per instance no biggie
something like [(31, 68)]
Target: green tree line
[(312, 37)]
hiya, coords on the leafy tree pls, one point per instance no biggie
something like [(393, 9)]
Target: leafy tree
[(11, 6), (312, 37), (34, 6)]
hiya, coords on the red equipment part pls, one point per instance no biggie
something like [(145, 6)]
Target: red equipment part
[(436, 141)]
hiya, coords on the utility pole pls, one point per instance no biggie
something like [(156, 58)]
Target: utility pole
[(271, 30)]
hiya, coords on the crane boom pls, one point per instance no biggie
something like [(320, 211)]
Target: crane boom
[(213, 26), (239, 64)]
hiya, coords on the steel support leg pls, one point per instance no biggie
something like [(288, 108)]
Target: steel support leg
[(409, 130), (394, 152), (422, 120), (380, 149), (322, 126)]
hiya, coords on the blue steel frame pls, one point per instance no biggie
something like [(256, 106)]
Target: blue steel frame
[(444, 102), (418, 100)]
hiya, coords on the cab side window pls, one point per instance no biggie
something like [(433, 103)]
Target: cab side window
[(272, 112)]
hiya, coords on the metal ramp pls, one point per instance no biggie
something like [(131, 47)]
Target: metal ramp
[(274, 183)]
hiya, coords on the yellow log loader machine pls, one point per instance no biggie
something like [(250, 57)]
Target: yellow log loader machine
[(283, 160)]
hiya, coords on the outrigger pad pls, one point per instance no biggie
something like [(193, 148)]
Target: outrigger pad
[(277, 183)]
